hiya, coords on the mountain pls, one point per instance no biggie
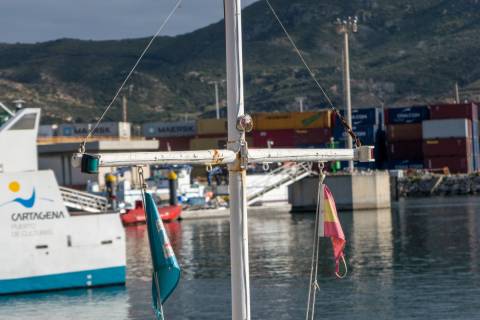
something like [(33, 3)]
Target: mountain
[(406, 52)]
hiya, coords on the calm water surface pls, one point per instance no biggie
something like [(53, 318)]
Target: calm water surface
[(421, 260)]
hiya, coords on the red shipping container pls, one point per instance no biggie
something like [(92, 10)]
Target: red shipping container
[(454, 164), (462, 148), (312, 136), (405, 150), (454, 111), (281, 138), (176, 144)]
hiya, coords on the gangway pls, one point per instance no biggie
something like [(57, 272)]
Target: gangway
[(83, 201), (281, 177)]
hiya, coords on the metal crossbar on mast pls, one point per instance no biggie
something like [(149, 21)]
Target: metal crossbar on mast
[(236, 156)]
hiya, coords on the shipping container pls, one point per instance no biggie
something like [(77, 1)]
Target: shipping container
[(405, 150), (104, 129), (292, 120), (48, 131), (175, 143), (453, 111), (208, 143), (366, 134), (415, 114), (311, 136), (460, 147), (404, 132), (454, 164), (211, 127), (476, 145), (405, 164), (280, 138), (446, 128), (364, 116), (169, 129)]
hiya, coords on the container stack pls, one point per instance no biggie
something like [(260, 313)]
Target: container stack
[(310, 129), (404, 136), (104, 129), (173, 136), (365, 123), (451, 138), (211, 134)]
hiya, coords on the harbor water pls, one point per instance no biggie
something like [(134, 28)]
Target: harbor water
[(419, 260)]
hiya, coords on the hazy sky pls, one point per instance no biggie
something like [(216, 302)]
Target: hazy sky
[(42, 20)]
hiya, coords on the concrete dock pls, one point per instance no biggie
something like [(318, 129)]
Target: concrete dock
[(357, 191)]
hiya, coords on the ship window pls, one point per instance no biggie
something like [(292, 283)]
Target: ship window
[(27, 122)]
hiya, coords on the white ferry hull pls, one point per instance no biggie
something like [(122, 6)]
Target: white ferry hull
[(47, 248)]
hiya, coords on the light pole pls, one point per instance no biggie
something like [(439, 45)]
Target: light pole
[(345, 27), (217, 103), (125, 103), (300, 102)]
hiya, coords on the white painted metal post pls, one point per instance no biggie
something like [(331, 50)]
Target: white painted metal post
[(237, 175), (217, 103), (346, 87)]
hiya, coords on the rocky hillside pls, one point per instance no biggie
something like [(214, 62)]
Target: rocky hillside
[(405, 52)]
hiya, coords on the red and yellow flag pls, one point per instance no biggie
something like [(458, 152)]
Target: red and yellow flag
[(332, 228)]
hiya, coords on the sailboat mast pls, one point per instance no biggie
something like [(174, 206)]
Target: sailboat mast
[(237, 174)]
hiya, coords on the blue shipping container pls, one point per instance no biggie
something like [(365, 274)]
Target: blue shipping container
[(365, 133), (407, 115), (476, 145), (364, 117), (359, 165), (405, 164)]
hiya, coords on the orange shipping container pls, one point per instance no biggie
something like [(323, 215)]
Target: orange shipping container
[(404, 132), (211, 126), (292, 120)]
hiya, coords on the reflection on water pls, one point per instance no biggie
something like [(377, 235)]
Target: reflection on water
[(419, 260)]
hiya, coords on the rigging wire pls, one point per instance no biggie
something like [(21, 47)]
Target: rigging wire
[(314, 78), (160, 29)]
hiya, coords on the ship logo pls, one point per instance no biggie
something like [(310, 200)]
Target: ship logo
[(27, 202)]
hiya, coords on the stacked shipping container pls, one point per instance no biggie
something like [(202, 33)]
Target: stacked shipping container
[(434, 136), (365, 123), (171, 135), (451, 138), (404, 136), (292, 129), (211, 134)]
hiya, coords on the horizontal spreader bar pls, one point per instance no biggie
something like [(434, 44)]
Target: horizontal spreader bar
[(214, 157)]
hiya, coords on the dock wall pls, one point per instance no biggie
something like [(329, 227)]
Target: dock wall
[(360, 191)]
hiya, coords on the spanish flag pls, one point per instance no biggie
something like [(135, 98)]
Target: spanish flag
[(329, 226)]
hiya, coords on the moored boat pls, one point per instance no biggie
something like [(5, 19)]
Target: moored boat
[(46, 247), (137, 215)]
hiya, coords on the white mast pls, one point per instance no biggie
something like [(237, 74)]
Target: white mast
[(236, 157), (237, 176)]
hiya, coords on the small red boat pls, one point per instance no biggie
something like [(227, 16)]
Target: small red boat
[(137, 215)]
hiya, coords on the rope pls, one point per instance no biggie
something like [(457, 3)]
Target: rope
[(313, 286), (92, 131), (349, 130), (143, 190)]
